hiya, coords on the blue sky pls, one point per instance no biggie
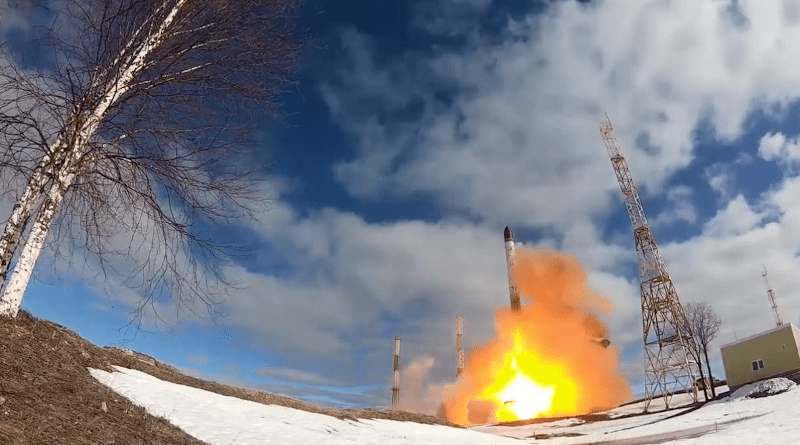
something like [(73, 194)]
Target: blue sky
[(419, 129)]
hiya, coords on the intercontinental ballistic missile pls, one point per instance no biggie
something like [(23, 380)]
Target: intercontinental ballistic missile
[(593, 326), (510, 254)]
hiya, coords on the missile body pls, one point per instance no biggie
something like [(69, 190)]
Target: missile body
[(593, 326), (510, 254)]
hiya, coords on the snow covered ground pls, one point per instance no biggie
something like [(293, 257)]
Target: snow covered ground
[(223, 420), (733, 420)]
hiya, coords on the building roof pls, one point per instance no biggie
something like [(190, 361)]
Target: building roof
[(760, 334)]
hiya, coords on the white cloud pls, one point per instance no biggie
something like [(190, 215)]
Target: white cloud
[(679, 210), (507, 133), (295, 376), (721, 178), (349, 274), (520, 145), (736, 219), (776, 147), (771, 146), (724, 264)]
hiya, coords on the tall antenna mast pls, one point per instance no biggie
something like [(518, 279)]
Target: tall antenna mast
[(396, 387), (668, 366), (771, 297), (459, 347)]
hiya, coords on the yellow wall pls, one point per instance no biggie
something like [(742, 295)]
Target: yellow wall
[(778, 349)]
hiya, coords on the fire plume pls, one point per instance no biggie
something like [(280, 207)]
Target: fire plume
[(516, 394), (546, 359)]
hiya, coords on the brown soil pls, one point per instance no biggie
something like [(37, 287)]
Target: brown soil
[(47, 395)]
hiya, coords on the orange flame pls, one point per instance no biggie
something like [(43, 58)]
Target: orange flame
[(546, 359)]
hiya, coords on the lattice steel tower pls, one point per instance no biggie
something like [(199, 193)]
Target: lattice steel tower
[(668, 366), (771, 297)]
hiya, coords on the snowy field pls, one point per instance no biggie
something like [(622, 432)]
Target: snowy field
[(729, 421), (223, 420)]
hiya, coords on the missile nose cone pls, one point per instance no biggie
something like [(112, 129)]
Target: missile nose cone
[(507, 234)]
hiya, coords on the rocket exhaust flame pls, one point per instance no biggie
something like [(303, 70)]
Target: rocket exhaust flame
[(548, 358)]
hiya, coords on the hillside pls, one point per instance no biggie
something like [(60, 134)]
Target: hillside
[(48, 396)]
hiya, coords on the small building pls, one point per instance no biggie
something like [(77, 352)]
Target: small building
[(769, 354)]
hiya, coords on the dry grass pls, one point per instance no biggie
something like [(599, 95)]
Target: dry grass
[(47, 395), (50, 397)]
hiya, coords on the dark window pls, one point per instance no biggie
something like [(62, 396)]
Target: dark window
[(757, 364)]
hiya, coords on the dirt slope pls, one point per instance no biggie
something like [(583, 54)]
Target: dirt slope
[(47, 395)]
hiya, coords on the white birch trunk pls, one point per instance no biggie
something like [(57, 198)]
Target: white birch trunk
[(15, 288), (22, 211), (16, 223), (64, 176)]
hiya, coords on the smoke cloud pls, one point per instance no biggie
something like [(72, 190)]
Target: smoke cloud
[(554, 342), (416, 395)]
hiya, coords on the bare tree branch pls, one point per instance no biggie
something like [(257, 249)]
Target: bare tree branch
[(140, 129), (704, 324)]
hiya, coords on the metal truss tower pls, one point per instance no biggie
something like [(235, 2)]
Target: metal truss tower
[(669, 368), (771, 297)]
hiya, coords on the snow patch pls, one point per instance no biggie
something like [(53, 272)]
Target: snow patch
[(224, 420), (763, 388)]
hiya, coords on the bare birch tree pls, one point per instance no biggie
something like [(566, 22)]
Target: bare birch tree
[(704, 324), (140, 127)]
